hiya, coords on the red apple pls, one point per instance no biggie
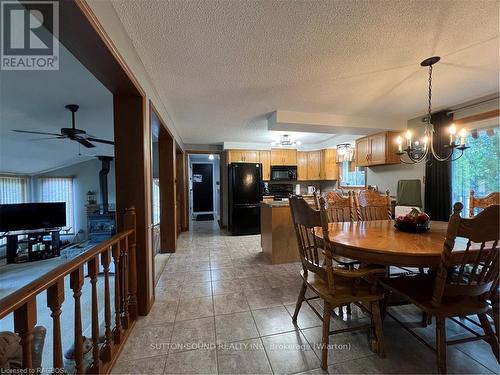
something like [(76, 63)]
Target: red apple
[(423, 218), (409, 219)]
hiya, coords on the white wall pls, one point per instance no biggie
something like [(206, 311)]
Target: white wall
[(86, 177)]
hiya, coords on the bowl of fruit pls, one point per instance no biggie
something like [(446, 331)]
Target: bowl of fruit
[(414, 222)]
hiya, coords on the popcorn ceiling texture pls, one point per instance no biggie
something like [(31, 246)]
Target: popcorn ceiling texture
[(222, 65)]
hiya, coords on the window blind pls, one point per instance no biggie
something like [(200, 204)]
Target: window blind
[(13, 189), (59, 189)]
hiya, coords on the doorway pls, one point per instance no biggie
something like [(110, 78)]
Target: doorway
[(204, 187)]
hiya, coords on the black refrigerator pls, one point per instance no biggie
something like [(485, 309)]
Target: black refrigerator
[(245, 194)]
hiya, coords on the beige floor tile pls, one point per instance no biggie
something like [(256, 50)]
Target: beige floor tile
[(306, 318), (254, 283), (192, 334), (243, 357), (226, 286), (161, 312), (195, 308), (224, 274), (235, 327), (154, 365), (197, 277), (195, 290), (262, 298), (273, 320), (148, 341), (342, 346), (290, 353), (201, 361), (230, 303)]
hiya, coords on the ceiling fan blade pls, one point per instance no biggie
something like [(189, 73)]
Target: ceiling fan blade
[(33, 132), (44, 139), (100, 140), (83, 142)]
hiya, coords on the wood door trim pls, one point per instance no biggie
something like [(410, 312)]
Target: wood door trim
[(222, 164)]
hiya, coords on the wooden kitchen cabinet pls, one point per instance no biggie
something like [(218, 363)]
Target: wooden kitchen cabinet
[(265, 160), (242, 156), (377, 149), (301, 166), (283, 157), (314, 165), (329, 166)]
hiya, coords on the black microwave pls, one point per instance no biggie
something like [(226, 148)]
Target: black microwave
[(283, 173)]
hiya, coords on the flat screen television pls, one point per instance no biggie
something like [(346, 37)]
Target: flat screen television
[(28, 216)]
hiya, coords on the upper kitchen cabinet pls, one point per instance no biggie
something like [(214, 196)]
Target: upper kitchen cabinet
[(301, 166), (242, 156), (329, 166), (283, 157), (314, 165), (265, 160), (377, 149)]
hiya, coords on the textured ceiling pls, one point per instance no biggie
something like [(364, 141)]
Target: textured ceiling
[(35, 100), (222, 66)]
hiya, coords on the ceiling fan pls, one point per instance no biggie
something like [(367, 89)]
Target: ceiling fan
[(72, 133)]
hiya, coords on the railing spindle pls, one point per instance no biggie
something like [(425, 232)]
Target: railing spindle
[(129, 223), (124, 263), (106, 349), (117, 330), (24, 323), (55, 298), (93, 265), (76, 282)]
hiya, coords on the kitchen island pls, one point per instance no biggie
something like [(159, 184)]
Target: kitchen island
[(278, 240)]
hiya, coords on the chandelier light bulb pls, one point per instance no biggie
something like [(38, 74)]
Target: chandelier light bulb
[(399, 141), (453, 129), (298, 143), (462, 133)]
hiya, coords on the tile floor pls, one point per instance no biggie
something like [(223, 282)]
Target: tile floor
[(222, 308)]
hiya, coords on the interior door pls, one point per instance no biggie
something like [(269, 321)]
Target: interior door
[(203, 187)]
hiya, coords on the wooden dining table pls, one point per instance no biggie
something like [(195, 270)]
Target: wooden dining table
[(379, 242)]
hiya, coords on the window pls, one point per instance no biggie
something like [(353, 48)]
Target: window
[(351, 176), (478, 168), (59, 189), (13, 189), (156, 201)]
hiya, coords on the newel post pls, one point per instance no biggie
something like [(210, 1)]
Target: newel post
[(130, 223)]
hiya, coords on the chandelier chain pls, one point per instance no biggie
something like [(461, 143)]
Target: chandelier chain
[(429, 110)]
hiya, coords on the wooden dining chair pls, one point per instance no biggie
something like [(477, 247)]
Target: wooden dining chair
[(335, 285), (340, 208), (482, 202), (371, 205), (462, 282)]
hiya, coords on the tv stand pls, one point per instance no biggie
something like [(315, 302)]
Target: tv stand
[(41, 244)]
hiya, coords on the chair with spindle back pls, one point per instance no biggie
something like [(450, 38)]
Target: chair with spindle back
[(482, 202), (371, 205), (463, 280), (340, 208), (335, 285)]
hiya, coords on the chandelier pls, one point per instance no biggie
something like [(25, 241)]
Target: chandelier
[(286, 141), (419, 150), (345, 152)]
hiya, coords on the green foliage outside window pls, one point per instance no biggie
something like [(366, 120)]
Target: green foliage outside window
[(478, 169)]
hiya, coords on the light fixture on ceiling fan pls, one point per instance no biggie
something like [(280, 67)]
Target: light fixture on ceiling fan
[(423, 149), (286, 141), (72, 133)]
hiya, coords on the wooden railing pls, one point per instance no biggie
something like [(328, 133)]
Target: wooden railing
[(118, 251)]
